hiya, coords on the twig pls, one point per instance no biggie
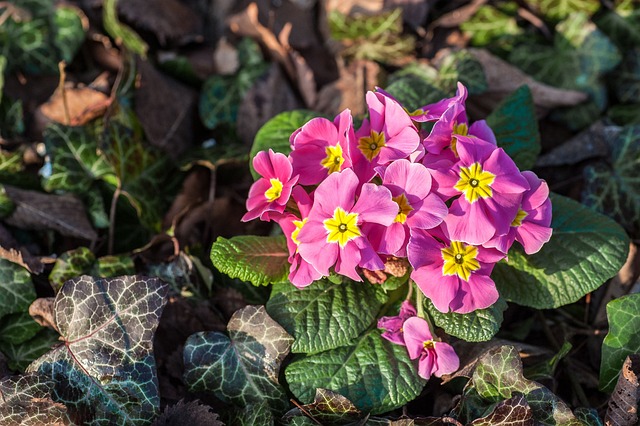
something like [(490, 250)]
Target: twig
[(112, 216)]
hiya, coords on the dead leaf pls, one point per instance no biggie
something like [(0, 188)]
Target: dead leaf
[(270, 95), (623, 405), (166, 109), (75, 106), (589, 143), (38, 211), (504, 78), (13, 255), (104, 52), (225, 57), (167, 19), (192, 413), (9, 245), (457, 16), (350, 89), (42, 312)]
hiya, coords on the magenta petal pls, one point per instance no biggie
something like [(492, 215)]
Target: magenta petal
[(414, 178), (508, 177), (400, 146), (374, 205), (426, 365), (423, 249), (304, 274), (337, 190), (316, 129), (533, 236), (416, 332), (262, 164), (348, 260), (471, 226), (281, 165), (369, 259), (471, 150), (537, 195), (431, 213), (393, 239), (481, 130), (479, 292), (447, 361)]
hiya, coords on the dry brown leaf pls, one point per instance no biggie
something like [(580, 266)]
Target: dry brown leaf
[(623, 405), (457, 16), (35, 266), (42, 312), (504, 78), (38, 211), (75, 106), (225, 57), (350, 89), (589, 143), (167, 19), (166, 109)]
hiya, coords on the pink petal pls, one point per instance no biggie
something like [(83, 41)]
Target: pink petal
[(348, 260), (423, 249), (394, 237), (262, 164), (369, 259), (471, 226), (428, 214), (304, 274), (537, 195), (281, 165), (473, 150), (446, 359), (416, 332), (508, 177), (337, 190), (479, 292), (318, 131), (481, 129), (532, 236), (426, 365), (414, 178), (374, 205), (441, 290)]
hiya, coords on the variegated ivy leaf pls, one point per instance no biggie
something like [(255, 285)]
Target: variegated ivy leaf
[(26, 400), (71, 264), (104, 372), (17, 328), (16, 288), (242, 368), (20, 355), (512, 411), (327, 407)]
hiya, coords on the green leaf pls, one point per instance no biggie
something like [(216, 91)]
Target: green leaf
[(493, 26), (243, 368), (588, 416), (20, 355), (613, 188), (414, 87), (514, 410), (373, 373), (71, 264), (561, 9), (16, 288), (18, 328), (498, 375), (116, 29), (585, 250), (462, 67), (626, 78), (252, 415), (323, 315), (623, 338), (477, 326), (327, 407), (3, 67), (113, 266), (259, 260), (275, 133), (106, 365), (7, 206), (26, 400), (624, 31), (69, 34), (516, 127)]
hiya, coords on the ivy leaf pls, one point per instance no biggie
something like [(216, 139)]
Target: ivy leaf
[(275, 133), (113, 266), (26, 400), (16, 288), (614, 189), (585, 250), (327, 407), (514, 410), (116, 29), (626, 78), (623, 31), (373, 373), (20, 355), (71, 264), (477, 326), (69, 34), (622, 340), (516, 128), (18, 328), (321, 316), (243, 368), (461, 66), (561, 9), (494, 27), (105, 370), (414, 86), (191, 413), (498, 375), (259, 260), (252, 415)]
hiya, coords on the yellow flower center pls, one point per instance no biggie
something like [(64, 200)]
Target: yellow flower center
[(519, 218), (460, 259), (342, 227), (475, 183), (273, 193), (429, 344), (299, 224), (334, 159), (404, 208), (461, 130), (416, 112), (371, 145)]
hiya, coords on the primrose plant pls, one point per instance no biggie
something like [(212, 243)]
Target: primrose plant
[(426, 189)]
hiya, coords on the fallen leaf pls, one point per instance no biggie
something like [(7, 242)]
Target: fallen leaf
[(41, 310), (35, 265), (225, 57), (38, 211), (623, 405), (75, 106), (166, 110), (504, 78), (589, 143)]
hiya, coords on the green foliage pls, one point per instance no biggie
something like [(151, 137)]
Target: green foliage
[(622, 340), (585, 250), (259, 260), (7, 206), (624, 31), (221, 94), (20, 355), (327, 407), (241, 369), (16, 288), (373, 373), (26, 400), (377, 38), (121, 32), (18, 328), (478, 326), (516, 128), (461, 66), (498, 377), (275, 133), (613, 188), (515, 410), (106, 366), (320, 317), (71, 264), (626, 78), (494, 26), (561, 9)]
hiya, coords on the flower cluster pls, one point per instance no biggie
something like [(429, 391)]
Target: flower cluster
[(428, 186)]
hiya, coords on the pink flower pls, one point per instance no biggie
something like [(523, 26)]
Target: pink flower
[(435, 111), (489, 187), (453, 274), (333, 233), (393, 325), (271, 192), (321, 147), (531, 227), (418, 206), (301, 272), (388, 135), (436, 358)]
